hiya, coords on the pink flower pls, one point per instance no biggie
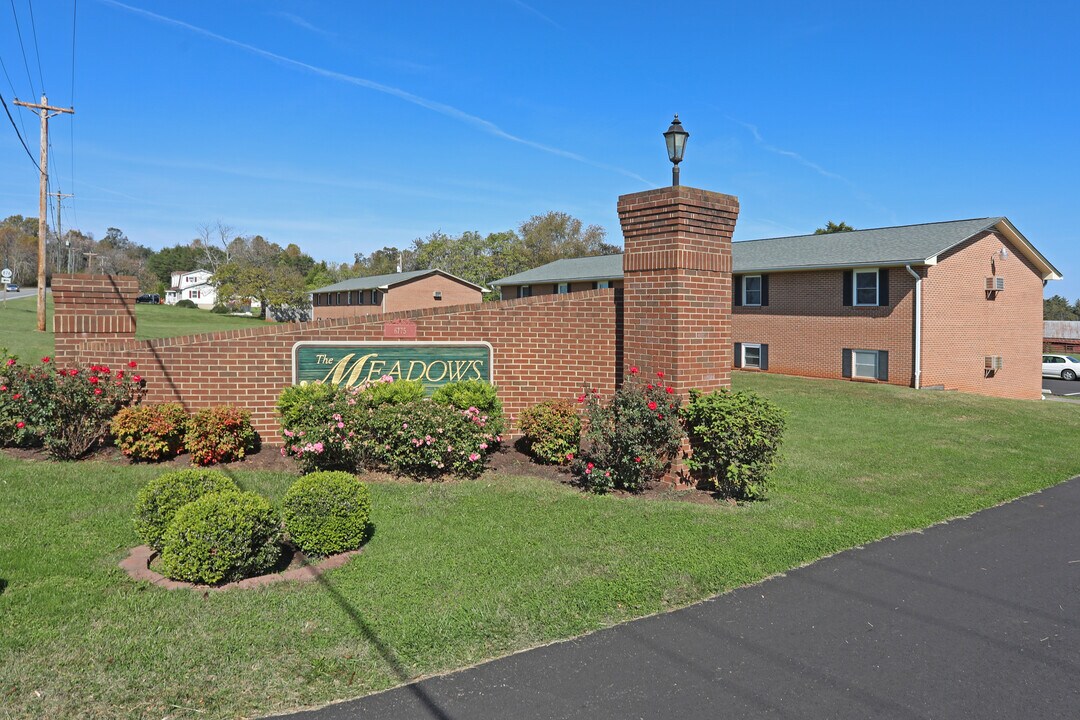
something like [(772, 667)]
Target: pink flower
[(20, 424), (3, 388), (483, 446), (341, 425), (473, 457), (404, 426), (11, 361), (569, 456)]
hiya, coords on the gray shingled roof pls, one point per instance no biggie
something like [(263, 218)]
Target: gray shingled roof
[(901, 245), (378, 282)]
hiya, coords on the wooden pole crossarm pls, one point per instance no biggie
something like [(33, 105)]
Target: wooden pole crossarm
[(47, 108)]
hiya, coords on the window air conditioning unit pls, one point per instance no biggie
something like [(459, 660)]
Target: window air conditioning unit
[(438, 295), (992, 363), (995, 284)]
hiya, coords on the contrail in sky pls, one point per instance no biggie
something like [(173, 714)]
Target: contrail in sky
[(441, 108), (788, 153)]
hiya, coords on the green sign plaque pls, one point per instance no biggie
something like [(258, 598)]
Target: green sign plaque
[(434, 364)]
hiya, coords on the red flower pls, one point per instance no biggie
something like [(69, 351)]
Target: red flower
[(11, 361), (670, 390), (20, 424), (93, 380), (3, 388), (97, 391), (45, 359), (136, 378), (16, 396), (581, 398), (589, 465), (652, 404), (637, 459), (649, 386), (634, 370), (661, 417), (659, 373), (133, 364)]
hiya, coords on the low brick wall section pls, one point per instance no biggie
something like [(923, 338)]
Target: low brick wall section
[(542, 347)]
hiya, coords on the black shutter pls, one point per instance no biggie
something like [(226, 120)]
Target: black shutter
[(738, 355), (846, 366), (764, 291), (883, 365), (764, 357), (738, 290), (883, 287), (848, 291)]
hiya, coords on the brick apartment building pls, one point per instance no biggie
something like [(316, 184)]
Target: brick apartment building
[(380, 294), (954, 305)]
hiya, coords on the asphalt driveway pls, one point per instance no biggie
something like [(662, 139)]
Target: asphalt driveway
[(976, 618), (1062, 388)]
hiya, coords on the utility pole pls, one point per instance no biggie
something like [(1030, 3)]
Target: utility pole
[(59, 232), (44, 111)]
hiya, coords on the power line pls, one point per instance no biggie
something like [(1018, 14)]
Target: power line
[(16, 128), (14, 92), (26, 64), (37, 50)]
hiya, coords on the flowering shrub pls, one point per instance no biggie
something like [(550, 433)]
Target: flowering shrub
[(387, 391), (552, 431), (327, 512), (21, 390), (426, 439), (319, 426), (150, 432), (77, 404), (465, 394), (632, 438), (734, 439), (219, 434), (161, 498), (221, 537)]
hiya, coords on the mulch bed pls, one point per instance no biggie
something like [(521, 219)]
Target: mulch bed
[(507, 460)]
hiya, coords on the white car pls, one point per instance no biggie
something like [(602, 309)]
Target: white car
[(1065, 367)]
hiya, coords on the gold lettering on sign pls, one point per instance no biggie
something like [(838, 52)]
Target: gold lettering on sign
[(412, 364), (351, 369), (395, 369), (337, 373)]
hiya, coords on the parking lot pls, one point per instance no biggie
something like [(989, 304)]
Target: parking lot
[(1062, 388)]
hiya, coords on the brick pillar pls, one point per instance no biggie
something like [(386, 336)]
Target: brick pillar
[(91, 307), (677, 285)]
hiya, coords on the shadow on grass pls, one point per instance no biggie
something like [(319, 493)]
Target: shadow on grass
[(3, 585)]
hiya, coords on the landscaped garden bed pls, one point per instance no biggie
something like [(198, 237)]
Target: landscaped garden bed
[(458, 572)]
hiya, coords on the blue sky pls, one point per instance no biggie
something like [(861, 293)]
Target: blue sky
[(348, 126)]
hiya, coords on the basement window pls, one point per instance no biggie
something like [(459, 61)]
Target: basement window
[(865, 364), (751, 355), (602, 284)]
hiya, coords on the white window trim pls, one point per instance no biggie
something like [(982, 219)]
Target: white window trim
[(746, 302), (562, 288), (742, 360), (603, 284), (855, 286), (855, 364)]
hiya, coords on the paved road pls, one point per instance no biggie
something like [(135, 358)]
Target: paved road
[(1063, 388), (978, 618)]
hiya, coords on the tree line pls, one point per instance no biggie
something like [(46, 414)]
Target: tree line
[(251, 266), (1058, 308)]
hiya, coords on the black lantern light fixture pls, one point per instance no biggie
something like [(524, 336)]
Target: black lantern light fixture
[(676, 146)]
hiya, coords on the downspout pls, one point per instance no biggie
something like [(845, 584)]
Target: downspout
[(918, 324)]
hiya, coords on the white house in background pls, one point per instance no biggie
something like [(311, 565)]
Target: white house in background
[(193, 285)]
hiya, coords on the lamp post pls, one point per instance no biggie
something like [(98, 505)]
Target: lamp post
[(676, 145)]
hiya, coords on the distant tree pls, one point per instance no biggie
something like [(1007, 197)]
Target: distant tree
[(831, 227), (18, 247), (1058, 308), (380, 262), (557, 235), (277, 285), (178, 258), (214, 242)]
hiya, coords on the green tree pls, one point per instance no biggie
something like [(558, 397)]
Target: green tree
[(1058, 308), (277, 285), (166, 261), (556, 235), (831, 227), (380, 262)]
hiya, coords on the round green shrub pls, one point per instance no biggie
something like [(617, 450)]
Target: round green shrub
[(222, 537), (552, 431), (327, 512), (185, 303), (465, 394), (162, 497)]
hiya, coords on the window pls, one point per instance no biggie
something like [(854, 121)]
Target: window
[(376, 297), (563, 288), (602, 284), (751, 356), (866, 287), (524, 291), (751, 290), (865, 364)]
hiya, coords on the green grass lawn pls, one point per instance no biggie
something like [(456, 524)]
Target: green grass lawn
[(19, 334), (465, 571)]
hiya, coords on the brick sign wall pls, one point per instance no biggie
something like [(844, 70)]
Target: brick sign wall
[(542, 347)]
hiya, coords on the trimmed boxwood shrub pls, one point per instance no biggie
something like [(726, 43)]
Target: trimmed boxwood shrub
[(185, 303), (161, 498), (219, 434), (327, 512), (150, 432), (551, 430), (734, 440), (222, 537)]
